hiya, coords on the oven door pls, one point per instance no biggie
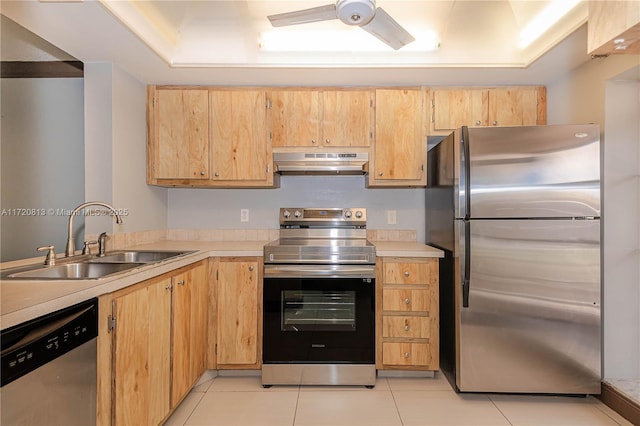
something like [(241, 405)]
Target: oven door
[(319, 320)]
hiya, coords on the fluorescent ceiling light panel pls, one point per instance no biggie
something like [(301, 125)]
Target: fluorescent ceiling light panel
[(545, 20), (351, 39)]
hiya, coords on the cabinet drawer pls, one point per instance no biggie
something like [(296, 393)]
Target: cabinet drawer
[(405, 300), (407, 273), (405, 327), (406, 354)]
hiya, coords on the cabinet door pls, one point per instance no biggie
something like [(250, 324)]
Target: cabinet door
[(400, 149), (180, 121), (295, 117), (238, 326), (347, 117), (513, 107), (141, 351), (240, 151), (453, 108), (189, 330)]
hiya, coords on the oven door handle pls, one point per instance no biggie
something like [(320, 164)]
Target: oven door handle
[(325, 271)]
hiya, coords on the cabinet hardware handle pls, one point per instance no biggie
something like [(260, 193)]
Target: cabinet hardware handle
[(380, 174), (327, 141), (169, 287), (181, 282), (406, 328), (216, 174), (407, 301), (495, 123), (477, 122), (406, 355), (406, 273), (251, 268), (313, 141), (201, 173)]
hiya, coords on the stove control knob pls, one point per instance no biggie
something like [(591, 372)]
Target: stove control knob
[(297, 213), (286, 214), (358, 214), (347, 214)]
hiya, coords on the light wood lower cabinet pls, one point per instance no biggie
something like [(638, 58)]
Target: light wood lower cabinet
[(239, 318), (151, 346), (407, 313), (189, 331)]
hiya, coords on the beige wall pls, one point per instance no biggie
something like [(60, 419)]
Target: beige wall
[(115, 151), (607, 92)]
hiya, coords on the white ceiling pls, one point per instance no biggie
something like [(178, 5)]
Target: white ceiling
[(216, 42)]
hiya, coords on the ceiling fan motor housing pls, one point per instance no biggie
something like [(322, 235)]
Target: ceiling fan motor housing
[(356, 12)]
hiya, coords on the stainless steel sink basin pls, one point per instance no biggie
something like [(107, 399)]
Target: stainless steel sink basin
[(91, 267), (74, 271), (138, 256)]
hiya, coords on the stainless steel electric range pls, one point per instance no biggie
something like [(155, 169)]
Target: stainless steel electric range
[(319, 300)]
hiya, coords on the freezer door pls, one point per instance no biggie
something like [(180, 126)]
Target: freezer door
[(532, 323), (534, 171)]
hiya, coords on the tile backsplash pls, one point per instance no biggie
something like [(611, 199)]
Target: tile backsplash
[(122, 240)]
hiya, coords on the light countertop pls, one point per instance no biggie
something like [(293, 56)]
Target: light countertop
[(22, 300)]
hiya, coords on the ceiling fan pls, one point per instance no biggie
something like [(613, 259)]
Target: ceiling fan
[(361, 13)]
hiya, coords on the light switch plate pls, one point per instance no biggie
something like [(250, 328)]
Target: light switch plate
[(244, 215)]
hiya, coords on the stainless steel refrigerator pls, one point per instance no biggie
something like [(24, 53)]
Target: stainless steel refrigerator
[(517, 212)]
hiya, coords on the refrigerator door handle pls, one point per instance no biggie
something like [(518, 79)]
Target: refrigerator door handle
[(466, 279), (466, 160)]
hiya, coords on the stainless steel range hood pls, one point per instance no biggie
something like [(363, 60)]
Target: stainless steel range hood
[(321, 163)]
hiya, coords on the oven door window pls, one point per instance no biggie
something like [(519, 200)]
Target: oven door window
[(318, 310), (318, 320)]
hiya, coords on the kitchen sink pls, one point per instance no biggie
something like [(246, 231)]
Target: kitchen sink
[(74, 271), (138, 256), (91, 267)]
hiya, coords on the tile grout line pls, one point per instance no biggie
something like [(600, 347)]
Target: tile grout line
[(295, 412), (395, 403), (498, 408)]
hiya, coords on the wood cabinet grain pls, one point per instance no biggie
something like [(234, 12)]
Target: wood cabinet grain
[(407, 335)]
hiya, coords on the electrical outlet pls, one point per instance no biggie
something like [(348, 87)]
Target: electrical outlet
[(391, 217), (244, 215)]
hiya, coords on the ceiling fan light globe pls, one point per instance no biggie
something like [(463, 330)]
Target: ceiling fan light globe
[(356, 12)]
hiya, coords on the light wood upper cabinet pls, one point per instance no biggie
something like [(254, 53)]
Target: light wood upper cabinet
[(141, 351), (497, 106), (239, 136), (314, 118), (400, 147), (295, 117), (178, 129), (347, 117), (512, 106), (239, 301), (612, 25), (460, 107), (208, 137)]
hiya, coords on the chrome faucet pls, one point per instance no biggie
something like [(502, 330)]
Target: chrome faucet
[(70, 250)]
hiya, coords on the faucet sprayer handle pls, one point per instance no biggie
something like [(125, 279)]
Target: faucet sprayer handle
[(50, 258), (102, 248)]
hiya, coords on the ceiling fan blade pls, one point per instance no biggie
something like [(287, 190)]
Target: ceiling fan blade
[(387, 29), (314, 14)]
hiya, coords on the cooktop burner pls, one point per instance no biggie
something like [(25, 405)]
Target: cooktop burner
[(321, 236)]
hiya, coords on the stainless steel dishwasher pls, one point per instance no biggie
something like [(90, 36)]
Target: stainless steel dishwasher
[(49, 368)]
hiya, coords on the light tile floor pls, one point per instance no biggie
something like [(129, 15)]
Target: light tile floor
[(242, 401)]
